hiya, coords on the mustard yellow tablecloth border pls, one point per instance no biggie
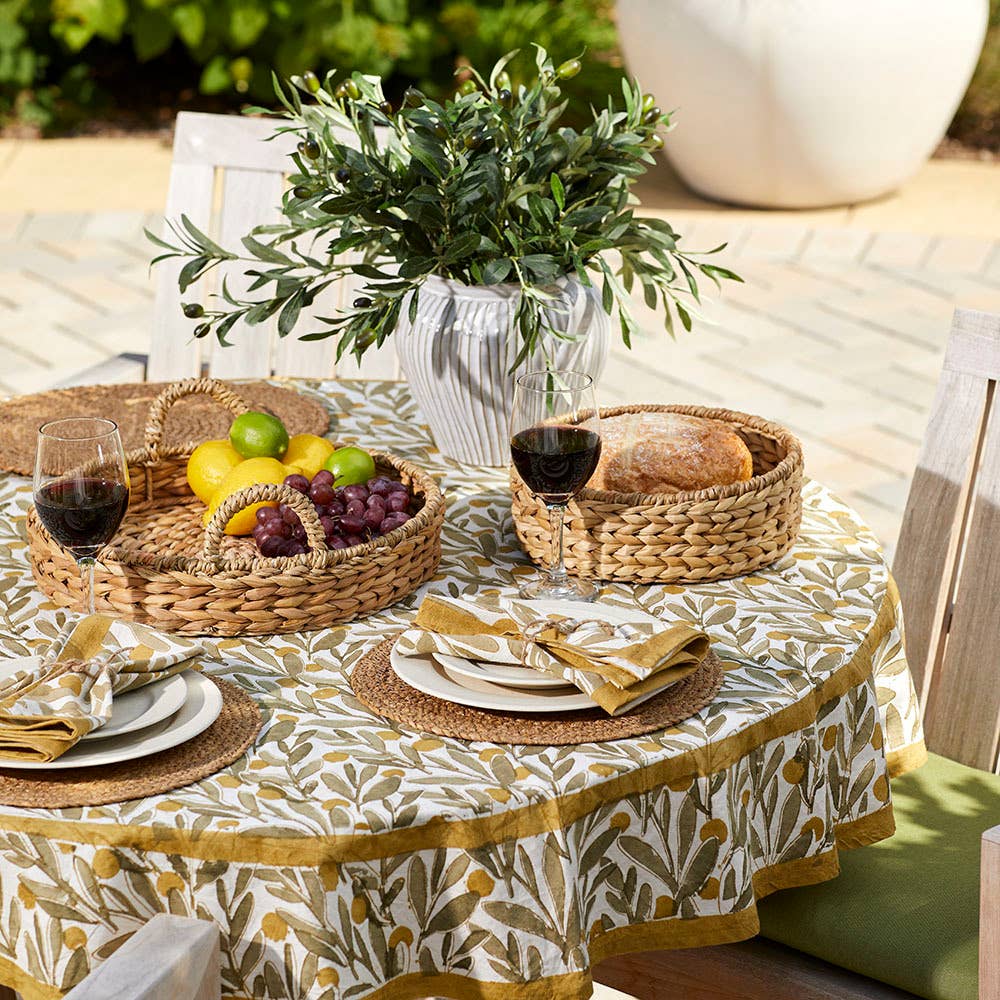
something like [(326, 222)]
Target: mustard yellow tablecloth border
[(665, 933), (526, 821)]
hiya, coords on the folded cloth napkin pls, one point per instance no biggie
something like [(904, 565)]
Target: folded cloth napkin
[(49, 702), (616, 665)]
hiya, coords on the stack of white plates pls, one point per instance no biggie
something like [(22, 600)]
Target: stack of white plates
[(503, 687), (156, 717)]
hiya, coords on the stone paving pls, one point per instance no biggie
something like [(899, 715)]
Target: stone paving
[(838, 331)]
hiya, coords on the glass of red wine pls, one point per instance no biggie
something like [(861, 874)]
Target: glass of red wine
[(81, 487), (555, 442)]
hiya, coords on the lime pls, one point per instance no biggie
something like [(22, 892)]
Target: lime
[(208, 465), (350, 466), (258, 435)]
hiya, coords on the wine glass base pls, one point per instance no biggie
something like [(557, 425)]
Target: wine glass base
[(569, 588)]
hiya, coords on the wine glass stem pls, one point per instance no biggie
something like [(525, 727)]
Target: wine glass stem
[(87, 572), (557, 514)]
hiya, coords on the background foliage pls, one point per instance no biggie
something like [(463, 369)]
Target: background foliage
[(61, 60), (978, 119)]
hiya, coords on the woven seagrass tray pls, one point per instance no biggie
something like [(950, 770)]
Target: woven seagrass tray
[(687, 537), (166, 569)]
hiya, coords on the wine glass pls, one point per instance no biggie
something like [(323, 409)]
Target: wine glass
[(81, 487), (555, 444)]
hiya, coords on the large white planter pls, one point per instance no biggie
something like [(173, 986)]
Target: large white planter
[(458, 353), (802, 103)]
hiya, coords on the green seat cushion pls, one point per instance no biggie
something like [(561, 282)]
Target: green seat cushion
[(904, 911)]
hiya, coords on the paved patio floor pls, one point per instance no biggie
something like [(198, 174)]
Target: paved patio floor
[(838, 331)]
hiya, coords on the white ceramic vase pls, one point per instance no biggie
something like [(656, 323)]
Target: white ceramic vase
[(458, 352), (802, 103)]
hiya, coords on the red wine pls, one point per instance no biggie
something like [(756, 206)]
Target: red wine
[(82, 514), (555, 460)]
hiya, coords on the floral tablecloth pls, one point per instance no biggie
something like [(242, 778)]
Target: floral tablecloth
[(346, 857)]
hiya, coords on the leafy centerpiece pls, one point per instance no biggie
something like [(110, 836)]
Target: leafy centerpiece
[(490, 190)]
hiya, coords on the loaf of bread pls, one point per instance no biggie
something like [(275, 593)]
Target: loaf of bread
[(661, 452)]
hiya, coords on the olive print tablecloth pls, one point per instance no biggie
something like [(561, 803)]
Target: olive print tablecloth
[(344, 857)]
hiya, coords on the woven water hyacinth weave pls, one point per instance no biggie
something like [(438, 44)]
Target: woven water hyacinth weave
[(193, 419), (343, 853), (223, 742), (377, 685)]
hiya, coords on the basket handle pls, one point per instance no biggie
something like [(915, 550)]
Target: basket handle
[(219, 391), (278, 492)]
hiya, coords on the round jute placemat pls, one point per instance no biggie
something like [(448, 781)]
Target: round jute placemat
[(224, 741), (194, 418), (377, 685)]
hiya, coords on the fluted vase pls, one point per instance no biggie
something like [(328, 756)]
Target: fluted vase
[(458, 353)]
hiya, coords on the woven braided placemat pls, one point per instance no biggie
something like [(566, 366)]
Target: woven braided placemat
[(377, 685), (226, 740), (194, 418)]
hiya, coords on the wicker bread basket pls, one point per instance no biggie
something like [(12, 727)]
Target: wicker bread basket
[(689, 537), (166, 569)]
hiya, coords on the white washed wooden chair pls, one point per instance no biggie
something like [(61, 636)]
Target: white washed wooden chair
[(169, 958), (227, 176), (947, 567)]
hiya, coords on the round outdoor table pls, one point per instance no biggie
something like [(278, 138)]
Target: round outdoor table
[(347, 856)]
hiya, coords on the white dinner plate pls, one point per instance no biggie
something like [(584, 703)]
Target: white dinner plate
[(143, 707), (427, 675), (501, 673), (430, 675), (202, 704)]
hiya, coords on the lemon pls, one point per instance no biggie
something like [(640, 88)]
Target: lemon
[(208, 465), (248, 473), (258, 435), (308, 452)]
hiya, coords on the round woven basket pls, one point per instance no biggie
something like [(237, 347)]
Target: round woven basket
[(688, 537), (165, 568)]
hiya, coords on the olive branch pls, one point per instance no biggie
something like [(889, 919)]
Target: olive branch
[(484, 188)]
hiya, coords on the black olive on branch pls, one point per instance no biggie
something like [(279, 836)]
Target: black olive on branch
[(309, 148)]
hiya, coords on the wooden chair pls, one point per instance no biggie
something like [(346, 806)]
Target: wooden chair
[(947, 567), (227, 176)]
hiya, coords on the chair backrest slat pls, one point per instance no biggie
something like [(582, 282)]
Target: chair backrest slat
[(244, 158), (172, 354), (246, 194), (304, 358), (947, 561), (231, 141), (963, 704)]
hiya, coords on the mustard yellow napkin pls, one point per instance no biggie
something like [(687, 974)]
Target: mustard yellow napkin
[(49, 702), (616, 665)]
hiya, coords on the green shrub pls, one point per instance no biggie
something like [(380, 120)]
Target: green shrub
[(60, 59), (978, 119)]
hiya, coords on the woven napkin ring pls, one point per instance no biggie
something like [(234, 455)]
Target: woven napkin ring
[(565, 626)]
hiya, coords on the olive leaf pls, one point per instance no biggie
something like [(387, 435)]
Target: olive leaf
[(490, 186)]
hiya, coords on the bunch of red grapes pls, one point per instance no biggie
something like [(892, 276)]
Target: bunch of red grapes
[(350, 515)]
